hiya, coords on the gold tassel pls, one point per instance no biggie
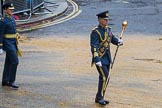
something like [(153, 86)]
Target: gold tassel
[(19, 52)]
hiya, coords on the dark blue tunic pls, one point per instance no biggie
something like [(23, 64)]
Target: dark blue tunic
[(98, 36), (8, 27)]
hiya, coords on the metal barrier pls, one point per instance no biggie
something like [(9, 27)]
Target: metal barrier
[(24, 7)]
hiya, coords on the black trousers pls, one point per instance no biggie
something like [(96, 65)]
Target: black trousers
[(10, 66), (103, 80)]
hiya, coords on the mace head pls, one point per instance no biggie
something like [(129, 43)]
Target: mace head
[(124, 24)]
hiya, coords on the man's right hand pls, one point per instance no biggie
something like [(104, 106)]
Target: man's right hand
[(99, 64), (1, 51)]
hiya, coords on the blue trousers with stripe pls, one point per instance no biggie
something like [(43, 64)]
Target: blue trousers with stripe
[(103, 80)]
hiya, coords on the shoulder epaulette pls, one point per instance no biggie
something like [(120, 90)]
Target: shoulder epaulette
[(108, 27), (95, 28), (1, 18)]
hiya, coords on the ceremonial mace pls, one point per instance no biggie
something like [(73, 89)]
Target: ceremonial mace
[(124, 25)]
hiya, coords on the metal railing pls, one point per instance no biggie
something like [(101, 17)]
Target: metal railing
[(23, 7)]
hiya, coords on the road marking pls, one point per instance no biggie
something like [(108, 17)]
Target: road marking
[(72, 15)]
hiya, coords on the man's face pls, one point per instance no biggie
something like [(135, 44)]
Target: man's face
[(8, 11), (103, 22)]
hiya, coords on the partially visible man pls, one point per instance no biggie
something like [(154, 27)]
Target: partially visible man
[(100, 39), (8, 43)]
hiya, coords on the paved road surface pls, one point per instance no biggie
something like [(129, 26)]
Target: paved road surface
[(55, 71)]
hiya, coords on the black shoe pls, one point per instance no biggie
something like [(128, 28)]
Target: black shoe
[(5, 83), (14, 86), (101, 102), (107, 102)]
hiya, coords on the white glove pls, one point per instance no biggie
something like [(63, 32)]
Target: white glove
[(120, 42), (1, 51), (99, 64)]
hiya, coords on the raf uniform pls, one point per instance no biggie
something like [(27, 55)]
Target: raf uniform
[(100, 39), (8, 43)]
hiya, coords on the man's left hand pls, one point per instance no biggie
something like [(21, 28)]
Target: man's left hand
[(120, 42)]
